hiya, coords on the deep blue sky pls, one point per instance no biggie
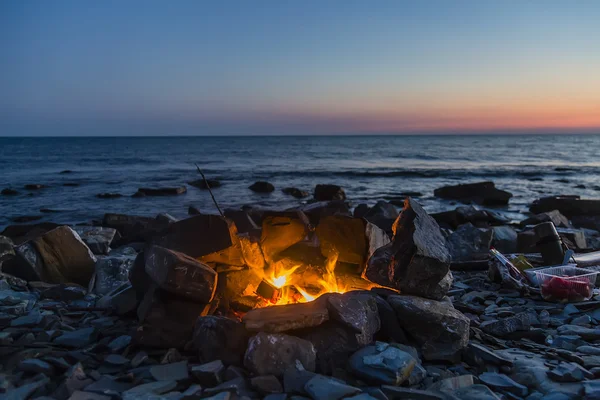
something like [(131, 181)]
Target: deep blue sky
[(287, 67)]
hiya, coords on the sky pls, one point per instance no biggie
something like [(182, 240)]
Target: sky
[(282, 67)]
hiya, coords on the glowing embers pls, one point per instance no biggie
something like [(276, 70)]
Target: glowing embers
[(287, 284)]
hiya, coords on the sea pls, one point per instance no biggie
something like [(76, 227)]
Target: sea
[(369, 168)]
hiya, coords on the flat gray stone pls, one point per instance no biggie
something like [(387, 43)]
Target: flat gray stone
[(323, 387), (78, 338), (585, 333), (143, 391), (475, 392), (34, 365), (503, 383), (569, 372), (170, 372), (382, 363), (589, 350)]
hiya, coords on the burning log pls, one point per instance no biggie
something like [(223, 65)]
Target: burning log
[(287, 317), (268, 292)]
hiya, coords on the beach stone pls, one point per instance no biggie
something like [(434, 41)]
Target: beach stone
[(97, 238), (569, 372), (441, 330), (382, 363), (78, 338), (295, 192), (108, 386), (165, 191), (357, 311), (266, 384), (583, 332), (382, 214), (209, 374), (589, 350), (238, 386), (566, 205), (79, 395), (506, 326), (503, 383), (170, 372), (452, 384), (329, 192), (287, 317), (272, 353), (420, 260), (64, 292), (477, 354), (146, 390), (504, 239), (295, 378), (9, 192), (469, 243), (262, 187), (475, 392), (554, 216), (220, 338), (484, 193), (323, 387), (196, 236), (36, 366), (24, 392), (396, 392), (179, 274), (58, 256), (6, 249)]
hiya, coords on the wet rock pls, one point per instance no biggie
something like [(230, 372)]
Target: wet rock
[(287, 317), (170, 372), (108, 386), (220, 338), (36, 366), (357, 311), (120, 343), (569, 372), (324, 208), (108, 195), (469, 243), (506, 326), (329, 192), (133, 228), (112, 271), (589, 350), (179, 274), (441, 330), (97, 238), (6, 249), (78, 338), (554, 216), (26, 390), (583, 332), (197, 236), (322, 387), (9, 192), (271, 353), (477, 354), (58, 256), (205, 184), (34, 186), (26, 218), (295, 192), (147, 390), (209, 374), (503, 383), (566, 205), (504, 239), (266, 384), (420, 259), (382, 363), (451, 384), (262, 187), (237, 386), (167, 191), (484, 193), (475, 392), (361, 210), (395, 392)]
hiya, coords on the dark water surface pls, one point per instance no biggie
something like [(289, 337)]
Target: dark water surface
[(368, 167)]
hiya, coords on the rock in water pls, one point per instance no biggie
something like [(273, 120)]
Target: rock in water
[(167, 191), (272, 353), (58, 256), (481, 193), (262, 187), (382, 364), (295, 192), (220, 338), (420, 259), (6, 249), (179, 274), (329, 192), (205, 184), (441, 330)]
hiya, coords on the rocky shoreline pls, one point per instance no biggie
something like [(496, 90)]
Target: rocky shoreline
[(158, 308)]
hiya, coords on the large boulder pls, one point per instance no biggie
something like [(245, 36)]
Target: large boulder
[(280, 232), (441, 330), (469, 243), (6, 249), (197, 236), (566, 205), (179, 274), (554, 216), (262, 187), (133, 228), (481, 193), (220, 338), (382, 214), (58, 256), (329, 192), (273, 353), (112, 270), (420, 259), (465, 214), (97, 238)]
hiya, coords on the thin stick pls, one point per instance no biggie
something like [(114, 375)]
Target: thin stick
[(210, 191)]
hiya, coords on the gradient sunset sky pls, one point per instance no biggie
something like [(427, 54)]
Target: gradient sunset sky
[(149, 67)]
